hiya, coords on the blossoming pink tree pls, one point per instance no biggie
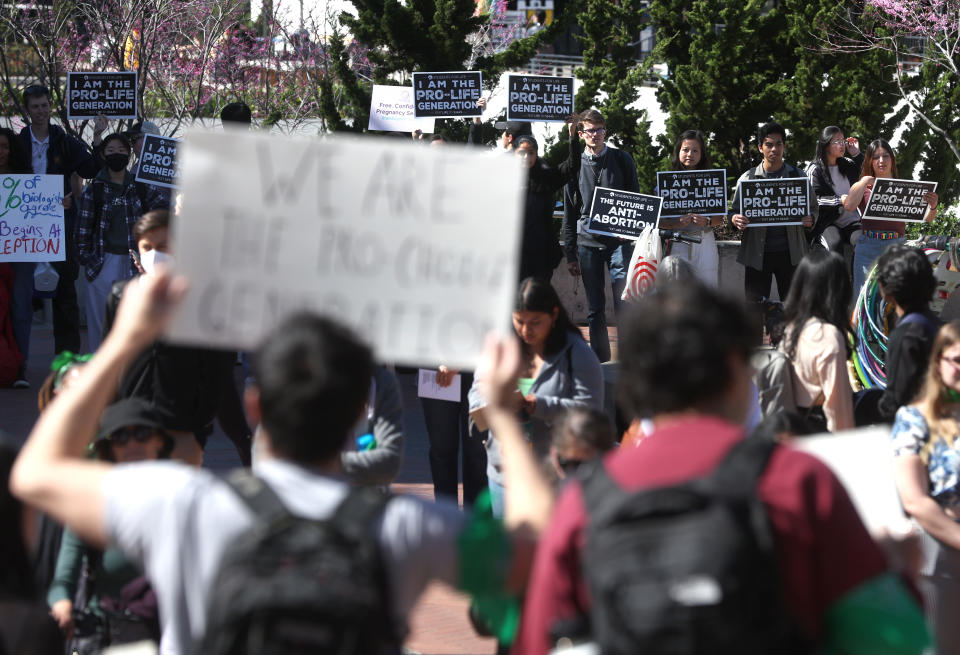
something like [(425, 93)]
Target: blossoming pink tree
[(925, 37)]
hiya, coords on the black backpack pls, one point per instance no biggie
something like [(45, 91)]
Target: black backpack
[(292, 585), (687, 569)]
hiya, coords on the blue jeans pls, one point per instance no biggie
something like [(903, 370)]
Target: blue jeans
[(865, 254), (21, 305), (592, 262)]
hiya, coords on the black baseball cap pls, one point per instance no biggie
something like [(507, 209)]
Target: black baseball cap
[(131, 412)]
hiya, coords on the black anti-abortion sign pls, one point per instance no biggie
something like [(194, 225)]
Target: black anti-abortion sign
[(777, 201), (624, 214), (692, 192), (447, 95), (112, 94), (158, 161), (539, 98), (898, 200)]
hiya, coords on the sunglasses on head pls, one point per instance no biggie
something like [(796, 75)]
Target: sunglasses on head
[(138, 433)]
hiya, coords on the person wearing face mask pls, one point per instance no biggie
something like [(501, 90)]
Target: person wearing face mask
[(196, 384), (540, 251), (109, 207)]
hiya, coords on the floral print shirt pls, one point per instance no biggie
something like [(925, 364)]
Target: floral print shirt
[(910, 435)]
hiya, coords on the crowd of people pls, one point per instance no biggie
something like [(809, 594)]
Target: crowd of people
[(681, 522)]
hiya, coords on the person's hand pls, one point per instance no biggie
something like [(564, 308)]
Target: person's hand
[(445, 376), (62, 613), (700, 221), (853, 146), (529, 403), (931, 198), (868, 180), (498, 372), (100, 125), (572, 129), (416, 134), (740, 221), (146, 308), (684, 220), (574, 268), (807, 221), (67, 201), (482, 104)]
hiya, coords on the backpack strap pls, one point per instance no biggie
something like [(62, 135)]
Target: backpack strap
[(353, 516), (257, 495), (358, 510), (739, 472), (97, 200), (601, 494), (142, 193)]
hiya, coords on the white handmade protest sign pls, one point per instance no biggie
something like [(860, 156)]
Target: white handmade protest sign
[(31, 218), (863, 461), (391, 110), (387, 237)]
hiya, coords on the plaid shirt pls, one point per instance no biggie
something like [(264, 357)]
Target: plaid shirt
[(90, 234)]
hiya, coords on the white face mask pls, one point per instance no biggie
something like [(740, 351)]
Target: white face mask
[(151, 258)]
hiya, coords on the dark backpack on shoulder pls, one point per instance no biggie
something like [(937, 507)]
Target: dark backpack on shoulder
[(688, 569), (292, 585)]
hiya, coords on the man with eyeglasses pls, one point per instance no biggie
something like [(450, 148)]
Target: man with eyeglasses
[(54, 152), (587, 254)]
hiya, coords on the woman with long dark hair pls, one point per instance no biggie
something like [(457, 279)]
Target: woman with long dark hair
[(559, 371), (834, 169), (879, 161), (690, 153), (927, 469), (816, 339)]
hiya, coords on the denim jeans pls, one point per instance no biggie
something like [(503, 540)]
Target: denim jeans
[(865, 254), (21, 305), (592, 262)]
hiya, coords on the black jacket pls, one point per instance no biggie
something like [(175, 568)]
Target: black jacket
[(618, 171), (827, 197), (540, 250), (908, 354), (66, 155)]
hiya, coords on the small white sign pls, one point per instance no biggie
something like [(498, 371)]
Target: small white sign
[(383, 235), (427, 386), (391, 110)]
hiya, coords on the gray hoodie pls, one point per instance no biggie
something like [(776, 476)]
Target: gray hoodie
[(569, 378)]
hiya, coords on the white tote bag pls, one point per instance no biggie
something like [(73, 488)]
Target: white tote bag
[(642, 273)]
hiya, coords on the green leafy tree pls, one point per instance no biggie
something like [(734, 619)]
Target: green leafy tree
[(611, 78), (398, 38), (734, 65), (923, 153)]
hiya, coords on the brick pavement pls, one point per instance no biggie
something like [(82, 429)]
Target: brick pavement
[(439, 624)]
